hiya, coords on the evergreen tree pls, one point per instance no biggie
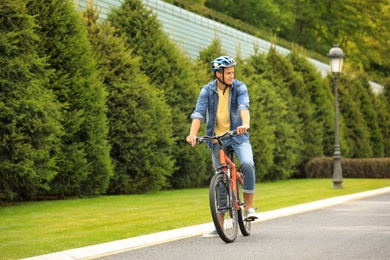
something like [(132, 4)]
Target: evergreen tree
[(206, 56), (288, 154), (386, 91), (362, 27), (311, 128), (169, 70), (384, 103), (383, 111), (320, 96), (29, 113), (263, 14), (265, 105), (356, 131), (367, 106), (139, 118), (84, 165), (269, 111)]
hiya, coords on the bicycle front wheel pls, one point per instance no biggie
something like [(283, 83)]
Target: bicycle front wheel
[(223, 208), (245, 226)]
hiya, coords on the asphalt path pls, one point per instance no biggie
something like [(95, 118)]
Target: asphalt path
[(358, 229)]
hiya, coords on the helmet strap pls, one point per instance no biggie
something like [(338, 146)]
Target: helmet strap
[(223, 82)]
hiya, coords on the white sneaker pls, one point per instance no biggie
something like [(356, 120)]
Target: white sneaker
[(211, 234), (251, 215)]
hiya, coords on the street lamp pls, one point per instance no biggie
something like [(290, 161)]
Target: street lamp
[(336, 57)]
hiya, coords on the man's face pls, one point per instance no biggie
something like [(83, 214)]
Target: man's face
[(228, 76)]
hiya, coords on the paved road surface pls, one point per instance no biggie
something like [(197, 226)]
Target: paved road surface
[(354, 230)]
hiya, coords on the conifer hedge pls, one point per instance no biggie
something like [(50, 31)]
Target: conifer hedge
[(84, 164), (140, 121), (29, 113), (91, 106)]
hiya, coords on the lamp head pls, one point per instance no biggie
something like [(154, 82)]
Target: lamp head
[(336, 57)]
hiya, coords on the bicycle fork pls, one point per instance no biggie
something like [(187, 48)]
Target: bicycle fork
[(227, 197)]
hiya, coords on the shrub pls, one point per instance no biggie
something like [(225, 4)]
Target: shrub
[(322, 167), (29, 114)]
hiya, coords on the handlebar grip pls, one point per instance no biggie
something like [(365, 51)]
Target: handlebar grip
[(199, 140)]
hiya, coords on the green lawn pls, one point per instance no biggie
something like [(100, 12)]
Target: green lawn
[(36, 228)]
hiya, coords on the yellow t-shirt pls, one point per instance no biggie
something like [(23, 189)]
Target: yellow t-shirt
[(223, 116)]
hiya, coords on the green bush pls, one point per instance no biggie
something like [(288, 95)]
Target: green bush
[(322, 167), (139, 117), (84, 165), (170, 71), (29, 114)]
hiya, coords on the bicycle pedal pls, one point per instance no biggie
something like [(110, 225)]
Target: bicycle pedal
[(251, 219)]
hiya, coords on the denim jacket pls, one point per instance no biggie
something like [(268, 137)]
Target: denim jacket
[(207, 105)]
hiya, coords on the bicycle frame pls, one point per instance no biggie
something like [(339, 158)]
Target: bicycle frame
[(224, 161)]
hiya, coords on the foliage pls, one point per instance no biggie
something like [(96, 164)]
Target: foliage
[(139, 118), (92, 107), (261, 14), (169, 70), (311, 145), (266, 34), (360, 27), (355, 129), (29, 113), (289, 131), (84, 166), (367, 99), (320, 96), (263, 126), (322, 167), (207, 55), (382, 109)]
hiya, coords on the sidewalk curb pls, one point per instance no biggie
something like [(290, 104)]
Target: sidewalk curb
[(108, 248)]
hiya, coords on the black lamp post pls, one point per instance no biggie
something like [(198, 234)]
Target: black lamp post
[(336, 57)]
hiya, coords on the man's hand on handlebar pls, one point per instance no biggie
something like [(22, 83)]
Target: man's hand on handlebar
[(191, 139), (242, 129)]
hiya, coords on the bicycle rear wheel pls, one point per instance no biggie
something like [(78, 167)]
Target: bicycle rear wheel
[(223, 209), (245, 226)]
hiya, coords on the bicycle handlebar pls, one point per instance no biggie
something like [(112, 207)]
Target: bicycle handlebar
[(202, 139)]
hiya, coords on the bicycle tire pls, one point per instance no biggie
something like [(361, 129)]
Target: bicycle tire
[(245, 226), (223, 209)]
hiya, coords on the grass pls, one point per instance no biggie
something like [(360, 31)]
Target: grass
[(36, 228)]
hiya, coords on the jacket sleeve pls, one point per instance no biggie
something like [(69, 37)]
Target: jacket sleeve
[(242, 97), (201, 105)]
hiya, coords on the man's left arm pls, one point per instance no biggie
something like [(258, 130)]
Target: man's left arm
[(246, 118), (243, 101)]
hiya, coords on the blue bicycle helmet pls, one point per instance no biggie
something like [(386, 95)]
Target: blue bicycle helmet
[(222, 62)]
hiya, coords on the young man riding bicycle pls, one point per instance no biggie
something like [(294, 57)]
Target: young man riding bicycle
[(224, 102)]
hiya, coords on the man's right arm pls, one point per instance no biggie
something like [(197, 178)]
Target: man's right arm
[(195, 126)]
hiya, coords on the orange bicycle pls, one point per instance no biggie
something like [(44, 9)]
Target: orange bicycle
[(227, 201)]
